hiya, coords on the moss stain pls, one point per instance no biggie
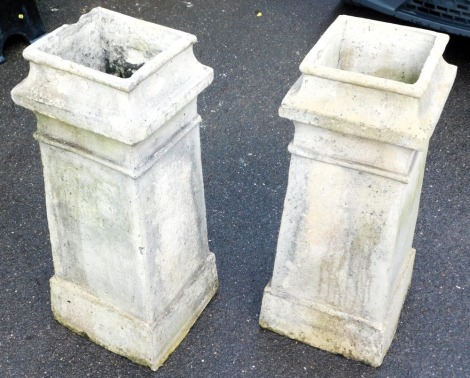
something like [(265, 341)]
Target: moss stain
[(397, 75)]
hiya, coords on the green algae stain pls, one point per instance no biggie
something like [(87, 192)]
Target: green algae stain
[(397, 75)]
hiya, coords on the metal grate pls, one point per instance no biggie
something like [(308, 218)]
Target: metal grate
[(455, 12)]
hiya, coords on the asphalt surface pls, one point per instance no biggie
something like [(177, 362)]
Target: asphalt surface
[(245, 163)]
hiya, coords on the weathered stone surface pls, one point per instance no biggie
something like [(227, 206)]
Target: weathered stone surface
[(123, 178), (364, 109)]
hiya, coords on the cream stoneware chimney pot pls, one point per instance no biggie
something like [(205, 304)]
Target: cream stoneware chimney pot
[(364, 109), (116, 106)]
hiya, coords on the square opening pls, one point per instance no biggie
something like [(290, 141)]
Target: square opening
[(376, 49), (108, 42)]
